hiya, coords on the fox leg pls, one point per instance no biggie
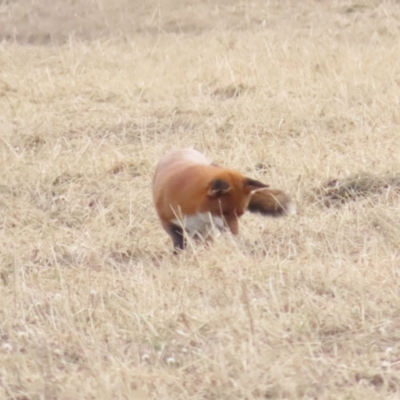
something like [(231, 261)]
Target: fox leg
[(178, 237)]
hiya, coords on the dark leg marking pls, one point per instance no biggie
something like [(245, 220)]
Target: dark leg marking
[(178, 237)]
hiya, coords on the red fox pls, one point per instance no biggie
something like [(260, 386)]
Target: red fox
[(195, 198)]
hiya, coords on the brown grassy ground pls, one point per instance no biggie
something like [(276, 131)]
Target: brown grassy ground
[(93, 304)]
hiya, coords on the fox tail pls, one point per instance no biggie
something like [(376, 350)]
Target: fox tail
[(272, 202)]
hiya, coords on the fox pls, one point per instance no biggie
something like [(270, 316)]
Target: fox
[(195, 198)]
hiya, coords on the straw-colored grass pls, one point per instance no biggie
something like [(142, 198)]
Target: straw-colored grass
[(294, 93)]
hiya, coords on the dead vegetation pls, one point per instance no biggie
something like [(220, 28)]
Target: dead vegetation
[(294, 93), (336, 192)]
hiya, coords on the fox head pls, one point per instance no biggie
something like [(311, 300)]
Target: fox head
[(228, 196)]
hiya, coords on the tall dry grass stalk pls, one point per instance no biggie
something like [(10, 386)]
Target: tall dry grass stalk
[(93, 304)]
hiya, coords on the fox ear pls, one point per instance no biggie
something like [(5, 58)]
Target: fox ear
[(218, 187), (254, 185)]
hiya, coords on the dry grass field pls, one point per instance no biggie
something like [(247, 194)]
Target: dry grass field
[(304, 95)]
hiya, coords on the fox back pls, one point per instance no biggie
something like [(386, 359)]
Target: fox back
[(195, 197)]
